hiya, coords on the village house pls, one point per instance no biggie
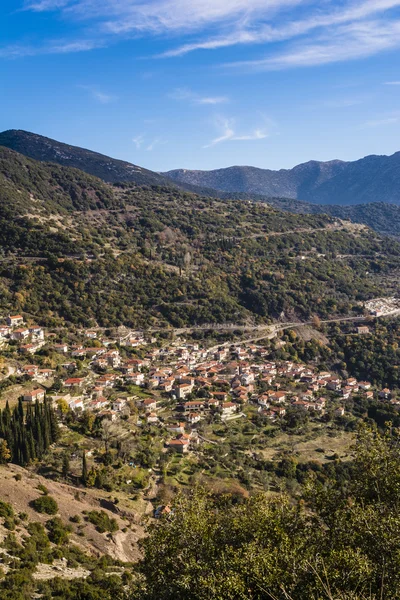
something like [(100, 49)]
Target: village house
[(334, 384), (98, 403), (363, 330), (45, 373), (20, 334), (92, 335), (176, 428), (182, 390), (108, 380), (278, 397), (385, 394), (14, 320), (193, 418), (76, 404), (162, 511), (179, 445), (279, 411), (113, 358), (119, 404), (213, 403), (149, 404), (339, 412), (228, 408), (73, 382), (135, 379), (193, 405), (364, 385), (151, 417), (61, 348), (29, 369), (29, 348), (34, 395), (36, 332)]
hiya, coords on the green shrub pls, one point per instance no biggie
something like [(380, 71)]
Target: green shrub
[(9, 523), (6, 510), (102, 521), (45, 504), (58, 532), (75, 519)]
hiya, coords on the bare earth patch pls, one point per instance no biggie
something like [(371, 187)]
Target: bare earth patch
[(74, 501)]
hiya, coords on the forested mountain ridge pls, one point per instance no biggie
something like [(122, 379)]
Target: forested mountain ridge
[(74, 249), (370, 179), (109, 169), (240, 184)]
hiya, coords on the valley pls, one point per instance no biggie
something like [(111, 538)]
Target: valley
[(161, 348)]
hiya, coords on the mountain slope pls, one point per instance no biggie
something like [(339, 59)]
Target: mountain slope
[(108, 169), (380, 216), (76, 250), (370, 179)]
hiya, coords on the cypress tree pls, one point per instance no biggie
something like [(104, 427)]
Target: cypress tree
[(84, 469), (20, 410), (65, 465)]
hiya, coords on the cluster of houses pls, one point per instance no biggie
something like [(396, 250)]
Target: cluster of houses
[(30, 338), (186, 383)]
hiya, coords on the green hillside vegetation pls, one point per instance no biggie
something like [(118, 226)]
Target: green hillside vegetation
[(380, 216), (336, 540), (155, 255)]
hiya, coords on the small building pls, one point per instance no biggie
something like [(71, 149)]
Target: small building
[(61, 348), (34, 395), (228, 408), (363, 330), (385, 394), (150, 404), (181, 446), (193, 418), (73, 382), (14, 320)]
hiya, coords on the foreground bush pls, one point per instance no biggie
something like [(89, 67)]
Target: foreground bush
[(340, 542)]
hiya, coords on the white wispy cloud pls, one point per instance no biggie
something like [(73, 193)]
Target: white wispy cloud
[(188, 95), (45, 5), (348, 42), (52, 47), (227, 129), (138, 141), (381, 122), (266, 33), (392, 82), (98, 95), (156, 142), (309, 32)]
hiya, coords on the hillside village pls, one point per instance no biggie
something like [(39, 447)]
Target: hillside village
[(174, 386)]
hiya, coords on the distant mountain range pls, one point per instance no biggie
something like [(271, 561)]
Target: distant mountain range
[(336, 188), (370, 179)]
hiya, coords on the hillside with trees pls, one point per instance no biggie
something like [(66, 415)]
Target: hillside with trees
[(90, 253)]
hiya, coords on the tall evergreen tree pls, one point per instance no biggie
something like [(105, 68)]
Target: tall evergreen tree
[(84, 468), (65, 465)]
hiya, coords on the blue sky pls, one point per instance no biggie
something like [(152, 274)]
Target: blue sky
[(206, 83)]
